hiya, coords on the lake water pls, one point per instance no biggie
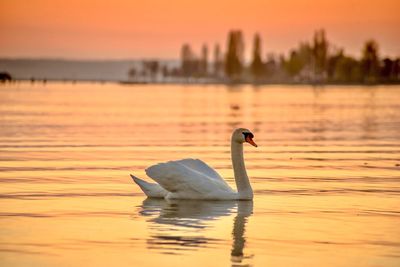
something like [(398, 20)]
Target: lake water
[(326, 175)]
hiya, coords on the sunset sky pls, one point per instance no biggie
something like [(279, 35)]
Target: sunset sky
[(128, 29)]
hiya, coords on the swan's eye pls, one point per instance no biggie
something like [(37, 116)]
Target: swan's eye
[(245, 134)]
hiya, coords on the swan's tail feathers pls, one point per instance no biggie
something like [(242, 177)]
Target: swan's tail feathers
[(150, 189)]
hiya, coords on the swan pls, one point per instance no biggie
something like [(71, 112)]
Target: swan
[(194, 179)]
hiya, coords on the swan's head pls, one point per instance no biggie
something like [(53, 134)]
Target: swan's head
[(243, 135)]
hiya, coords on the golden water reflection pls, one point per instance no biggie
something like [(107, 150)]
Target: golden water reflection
[(325, 175), (179, 225)]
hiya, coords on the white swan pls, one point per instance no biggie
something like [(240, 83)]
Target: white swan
[(194, 179)]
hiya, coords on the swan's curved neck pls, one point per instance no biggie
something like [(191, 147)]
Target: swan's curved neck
[(242, 180)]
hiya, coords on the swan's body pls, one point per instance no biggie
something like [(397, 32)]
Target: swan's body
[(194, 179)]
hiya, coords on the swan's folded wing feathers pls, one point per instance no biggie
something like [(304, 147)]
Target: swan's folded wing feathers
[(200, 166), (186, 176)]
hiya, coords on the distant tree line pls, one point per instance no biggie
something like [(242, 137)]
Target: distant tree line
[(316, 61)]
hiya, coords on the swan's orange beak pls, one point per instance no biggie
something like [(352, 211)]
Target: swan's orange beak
[(250, 141)]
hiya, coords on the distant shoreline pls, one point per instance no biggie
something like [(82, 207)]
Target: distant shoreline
[(215, 82), (121, 72)]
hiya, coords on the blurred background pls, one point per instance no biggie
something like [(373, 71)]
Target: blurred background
[(289, 41)]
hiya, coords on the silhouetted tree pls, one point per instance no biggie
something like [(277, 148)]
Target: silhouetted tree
[(300, 61), (5, 77), (370, 61), (294, 64), (165, 71), (150, 68), (332, 63), (396, 70), (320, 51), (387, 69), (234, 55), (390, 70), (218, 62), (347, 70), (189, 62), (270, 66), (132, 73), (257, 67), (204, 60)]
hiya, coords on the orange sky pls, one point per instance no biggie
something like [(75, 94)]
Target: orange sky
[(118, 29)]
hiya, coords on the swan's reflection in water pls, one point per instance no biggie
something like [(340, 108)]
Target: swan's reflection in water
[(180, 225)]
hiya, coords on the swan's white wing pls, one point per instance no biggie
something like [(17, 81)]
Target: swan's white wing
[(201, 166), (188, 176)]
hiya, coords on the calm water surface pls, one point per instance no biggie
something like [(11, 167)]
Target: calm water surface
[(326, 175)]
